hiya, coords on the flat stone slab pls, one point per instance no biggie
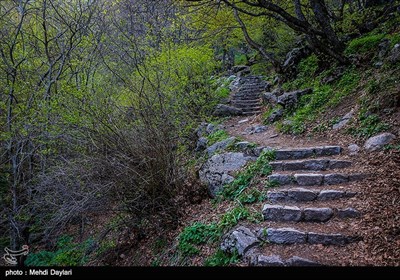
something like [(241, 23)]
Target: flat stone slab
[(273, 260), (309, 179), (281, 213), (298, 261), (282, 179), (309, 164), (331, 195), (301, 194), (348, 213), (334, 179), (317, 214), (285, 236), (328, 239)]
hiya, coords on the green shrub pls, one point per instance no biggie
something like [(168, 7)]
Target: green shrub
[(68, 253), (369, 126), (231, 218), (197, 234), (217, 136), (364, 44), (246, 177), (220, 258)]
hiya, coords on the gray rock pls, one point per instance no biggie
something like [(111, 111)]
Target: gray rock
[(343, 121), (270, 98), (297, 261), (317, 214), (201, 129), (300, 194), (308, 179), (277, 196), (243, 121), (277, 165), (220, 145), (242, 146), (290, 99), (348, 213), (378, 142), (214, 172), (285, 154), (327, 150), (210, 128), (223, 110), (201, 144), (259, 128), (286, 236), (275, 116), (334, 179), (353, 149), (328, 239), (282, 179), (394, 55), (240, 239), (316, 164), (272, 260), (330, 195), (281, 213)]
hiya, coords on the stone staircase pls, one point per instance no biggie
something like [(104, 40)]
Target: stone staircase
[(310, 208), (246, 94)]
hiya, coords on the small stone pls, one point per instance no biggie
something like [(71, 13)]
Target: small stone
[(378, 142), (243, 121), (300, 194), (242, 145), (286, 236), (330, 195), (353, 149), (260, 128), (282, 179), (348, 213), (297, 261), (274, 136), (308, 179), (281, 213), (273, 260), (334, 179), (210, 128), (317, 214), (343, 121)]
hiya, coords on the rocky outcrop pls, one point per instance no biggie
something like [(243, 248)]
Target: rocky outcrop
[(290, 99), (216, 171)]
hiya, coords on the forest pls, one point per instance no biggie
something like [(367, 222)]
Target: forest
[(101, 104)]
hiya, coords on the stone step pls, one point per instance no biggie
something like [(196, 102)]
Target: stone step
[(301, 153), (276, 260), (290, 236), (244, 98), (280, 213), (301, 194), (315, 179), (250, 101), (248, 113), (309, 164), (249, 107)]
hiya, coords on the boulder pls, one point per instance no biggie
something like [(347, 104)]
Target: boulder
[(276, 115), (215, 172), (378, 142), (240, 239), (290, 99), (223, 110), (220, 145)]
